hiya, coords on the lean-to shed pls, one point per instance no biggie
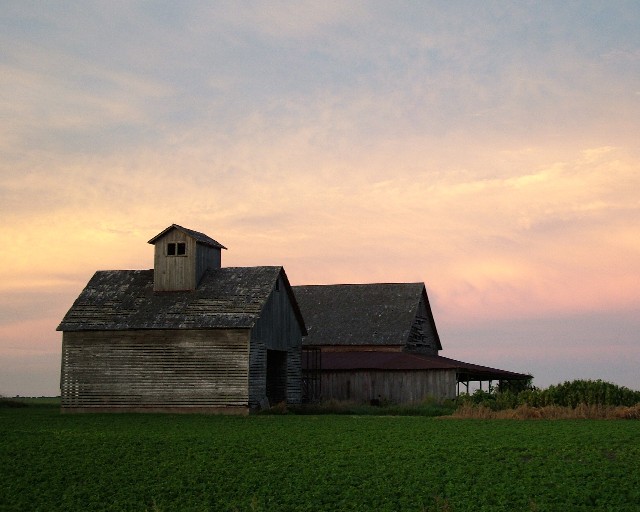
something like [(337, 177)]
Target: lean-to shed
[(188, 335), (380, 342)]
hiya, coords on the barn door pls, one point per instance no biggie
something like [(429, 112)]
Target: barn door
[(276, 376)]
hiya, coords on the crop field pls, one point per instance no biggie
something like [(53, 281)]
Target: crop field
[(155, 462)]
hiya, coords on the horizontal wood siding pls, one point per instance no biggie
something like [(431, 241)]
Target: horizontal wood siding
[(395, 386), (155, 368), (294, 375), (257, 372), (277, 329)]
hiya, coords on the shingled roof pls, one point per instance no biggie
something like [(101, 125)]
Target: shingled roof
[(360, 314), (231, 297), (200, 238)]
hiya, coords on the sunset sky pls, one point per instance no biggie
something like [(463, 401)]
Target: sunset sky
[(488, 149)]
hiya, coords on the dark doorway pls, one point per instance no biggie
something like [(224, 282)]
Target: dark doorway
[(276, 376)]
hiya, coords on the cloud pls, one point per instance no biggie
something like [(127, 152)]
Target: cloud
[(489, 151), (285, 20)]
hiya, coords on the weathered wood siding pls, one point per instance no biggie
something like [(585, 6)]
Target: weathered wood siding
[(174, 272), (160, 369), (277, 329), (206, 257), (294, 373), (422, 337), (396, 386)]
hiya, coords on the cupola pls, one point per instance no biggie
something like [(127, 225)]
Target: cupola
[(181, 258)]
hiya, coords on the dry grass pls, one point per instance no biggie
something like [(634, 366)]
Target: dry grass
[(550, 412)]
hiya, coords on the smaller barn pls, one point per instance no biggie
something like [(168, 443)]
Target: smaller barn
[(372, 342), (188, 335)]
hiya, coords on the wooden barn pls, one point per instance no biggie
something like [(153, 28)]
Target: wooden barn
[(379, 342), (187, 336)]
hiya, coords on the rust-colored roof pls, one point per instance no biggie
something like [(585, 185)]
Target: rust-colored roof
[(404, 361)]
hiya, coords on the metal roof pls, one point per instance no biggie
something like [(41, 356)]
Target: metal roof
[(361, 314), (231, 297), (404, 361), (200, 238)]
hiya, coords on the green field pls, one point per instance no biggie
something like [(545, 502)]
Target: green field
[(132, 462)]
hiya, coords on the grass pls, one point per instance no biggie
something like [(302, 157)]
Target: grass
[(29, 401), (427, 408), (155, 462)]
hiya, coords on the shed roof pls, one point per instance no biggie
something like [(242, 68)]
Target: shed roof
[(398, 361), (361, 314), (231, 297), (201, 238)]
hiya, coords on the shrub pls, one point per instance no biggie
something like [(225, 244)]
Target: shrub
[(576, 395)]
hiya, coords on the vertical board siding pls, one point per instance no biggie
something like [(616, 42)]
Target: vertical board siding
[(174, 272), (422, 337), (159, 368), (277, 329), (394, 386), (206, 258)]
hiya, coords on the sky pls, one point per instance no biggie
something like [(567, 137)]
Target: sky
[(487, 149)]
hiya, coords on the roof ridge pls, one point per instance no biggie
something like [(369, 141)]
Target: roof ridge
[(197, 235), (405, 283)]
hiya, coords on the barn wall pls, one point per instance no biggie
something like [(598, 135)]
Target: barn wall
[(155, 369), (422, 337), (277, 329), (257, 371), (206, 257), (360, 348), (174, 272), (395, 386)]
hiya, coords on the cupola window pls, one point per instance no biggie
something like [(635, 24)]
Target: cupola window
[(176, 249)]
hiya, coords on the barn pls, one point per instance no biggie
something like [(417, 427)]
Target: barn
[(186, 336), (379, 342)]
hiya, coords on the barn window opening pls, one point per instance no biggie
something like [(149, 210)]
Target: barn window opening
[(176, 249)]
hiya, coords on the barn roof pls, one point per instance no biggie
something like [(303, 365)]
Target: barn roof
[(231, 297), (361, 314), (389, 361), (201, 238)]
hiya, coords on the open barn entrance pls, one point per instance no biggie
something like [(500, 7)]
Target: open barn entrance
[(276, 376), (472, 378)]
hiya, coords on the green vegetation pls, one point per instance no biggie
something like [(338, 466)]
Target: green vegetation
[(11, 402), (569, 394), (29, 401), (50, 461), (427, 408)]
